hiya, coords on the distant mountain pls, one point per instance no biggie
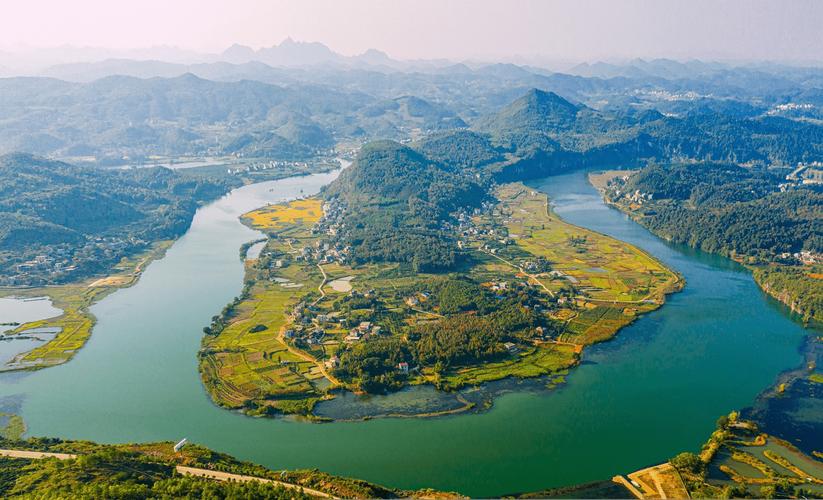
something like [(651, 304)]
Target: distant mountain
[(538, 110), (88, 72), (289, 53), (396, 117), (656, 68), (544, 133), (374, 57), (532, 121), (238, 54), (119, 115), (218, 71)]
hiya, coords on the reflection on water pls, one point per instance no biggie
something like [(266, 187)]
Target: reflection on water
[(654, 391), (15, 311)]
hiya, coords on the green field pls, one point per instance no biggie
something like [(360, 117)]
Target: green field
[(259, 356), (606, 283)]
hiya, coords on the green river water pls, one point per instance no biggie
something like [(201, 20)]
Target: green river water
[(655, 390)]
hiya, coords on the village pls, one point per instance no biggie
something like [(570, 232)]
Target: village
[(62, 261)]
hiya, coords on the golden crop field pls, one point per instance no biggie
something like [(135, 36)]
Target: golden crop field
[(249, 363), (305, 211)]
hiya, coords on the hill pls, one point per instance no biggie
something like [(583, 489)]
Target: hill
[(82, 220), (391, 203), (461, 148), (751, 214), (546, 134)]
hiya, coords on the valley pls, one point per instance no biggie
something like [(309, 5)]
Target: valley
[(488, 279)]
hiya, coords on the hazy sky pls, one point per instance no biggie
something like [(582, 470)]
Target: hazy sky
[(456, 29)]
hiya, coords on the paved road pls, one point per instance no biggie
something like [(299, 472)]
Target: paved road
[(225, 476), (36, 455)]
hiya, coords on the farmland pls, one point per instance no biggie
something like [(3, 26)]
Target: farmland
[(310, 321), (600, 284), (249, 362), (279, 216)]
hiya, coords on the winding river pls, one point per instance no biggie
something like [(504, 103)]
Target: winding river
[(655, 390)]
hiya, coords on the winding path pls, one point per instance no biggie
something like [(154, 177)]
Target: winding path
[(530, 276), (186, 471)]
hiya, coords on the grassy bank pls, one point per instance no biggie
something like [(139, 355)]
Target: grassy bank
[(310, 321), (76, 322)]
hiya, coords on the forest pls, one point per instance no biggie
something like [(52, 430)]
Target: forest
[(475, 323), (396, 200), (751, 214), (78, 221), (730, 210)]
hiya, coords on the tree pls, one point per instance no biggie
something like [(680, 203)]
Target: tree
[(689, 462)]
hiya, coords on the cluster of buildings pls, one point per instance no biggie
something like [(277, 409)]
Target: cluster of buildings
[(266, 165), (58, 261), (363, 331), (324, 251), (804, 257), (805, 173)]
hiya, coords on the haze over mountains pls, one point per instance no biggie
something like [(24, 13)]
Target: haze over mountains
[(296, 99), (70, 62)]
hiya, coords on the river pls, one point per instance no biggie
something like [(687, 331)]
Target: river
[(655, 390)]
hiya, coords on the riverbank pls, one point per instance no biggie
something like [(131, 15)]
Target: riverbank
[(783, 407), (797, 286), (288, 342), (624, 407), (62, 337), (71, 329), (161, 469)]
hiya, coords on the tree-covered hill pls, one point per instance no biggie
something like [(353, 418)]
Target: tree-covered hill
[(547, 134), (391, 202), (534, 120), (120, 116), (729, 209), (460, 148), (752, 214), (82, 220)]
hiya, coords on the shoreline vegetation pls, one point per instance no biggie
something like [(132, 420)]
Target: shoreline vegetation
[(48, 467), (291, 340), (737, 461), (74, 325), (791, 284), (796, 285)]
